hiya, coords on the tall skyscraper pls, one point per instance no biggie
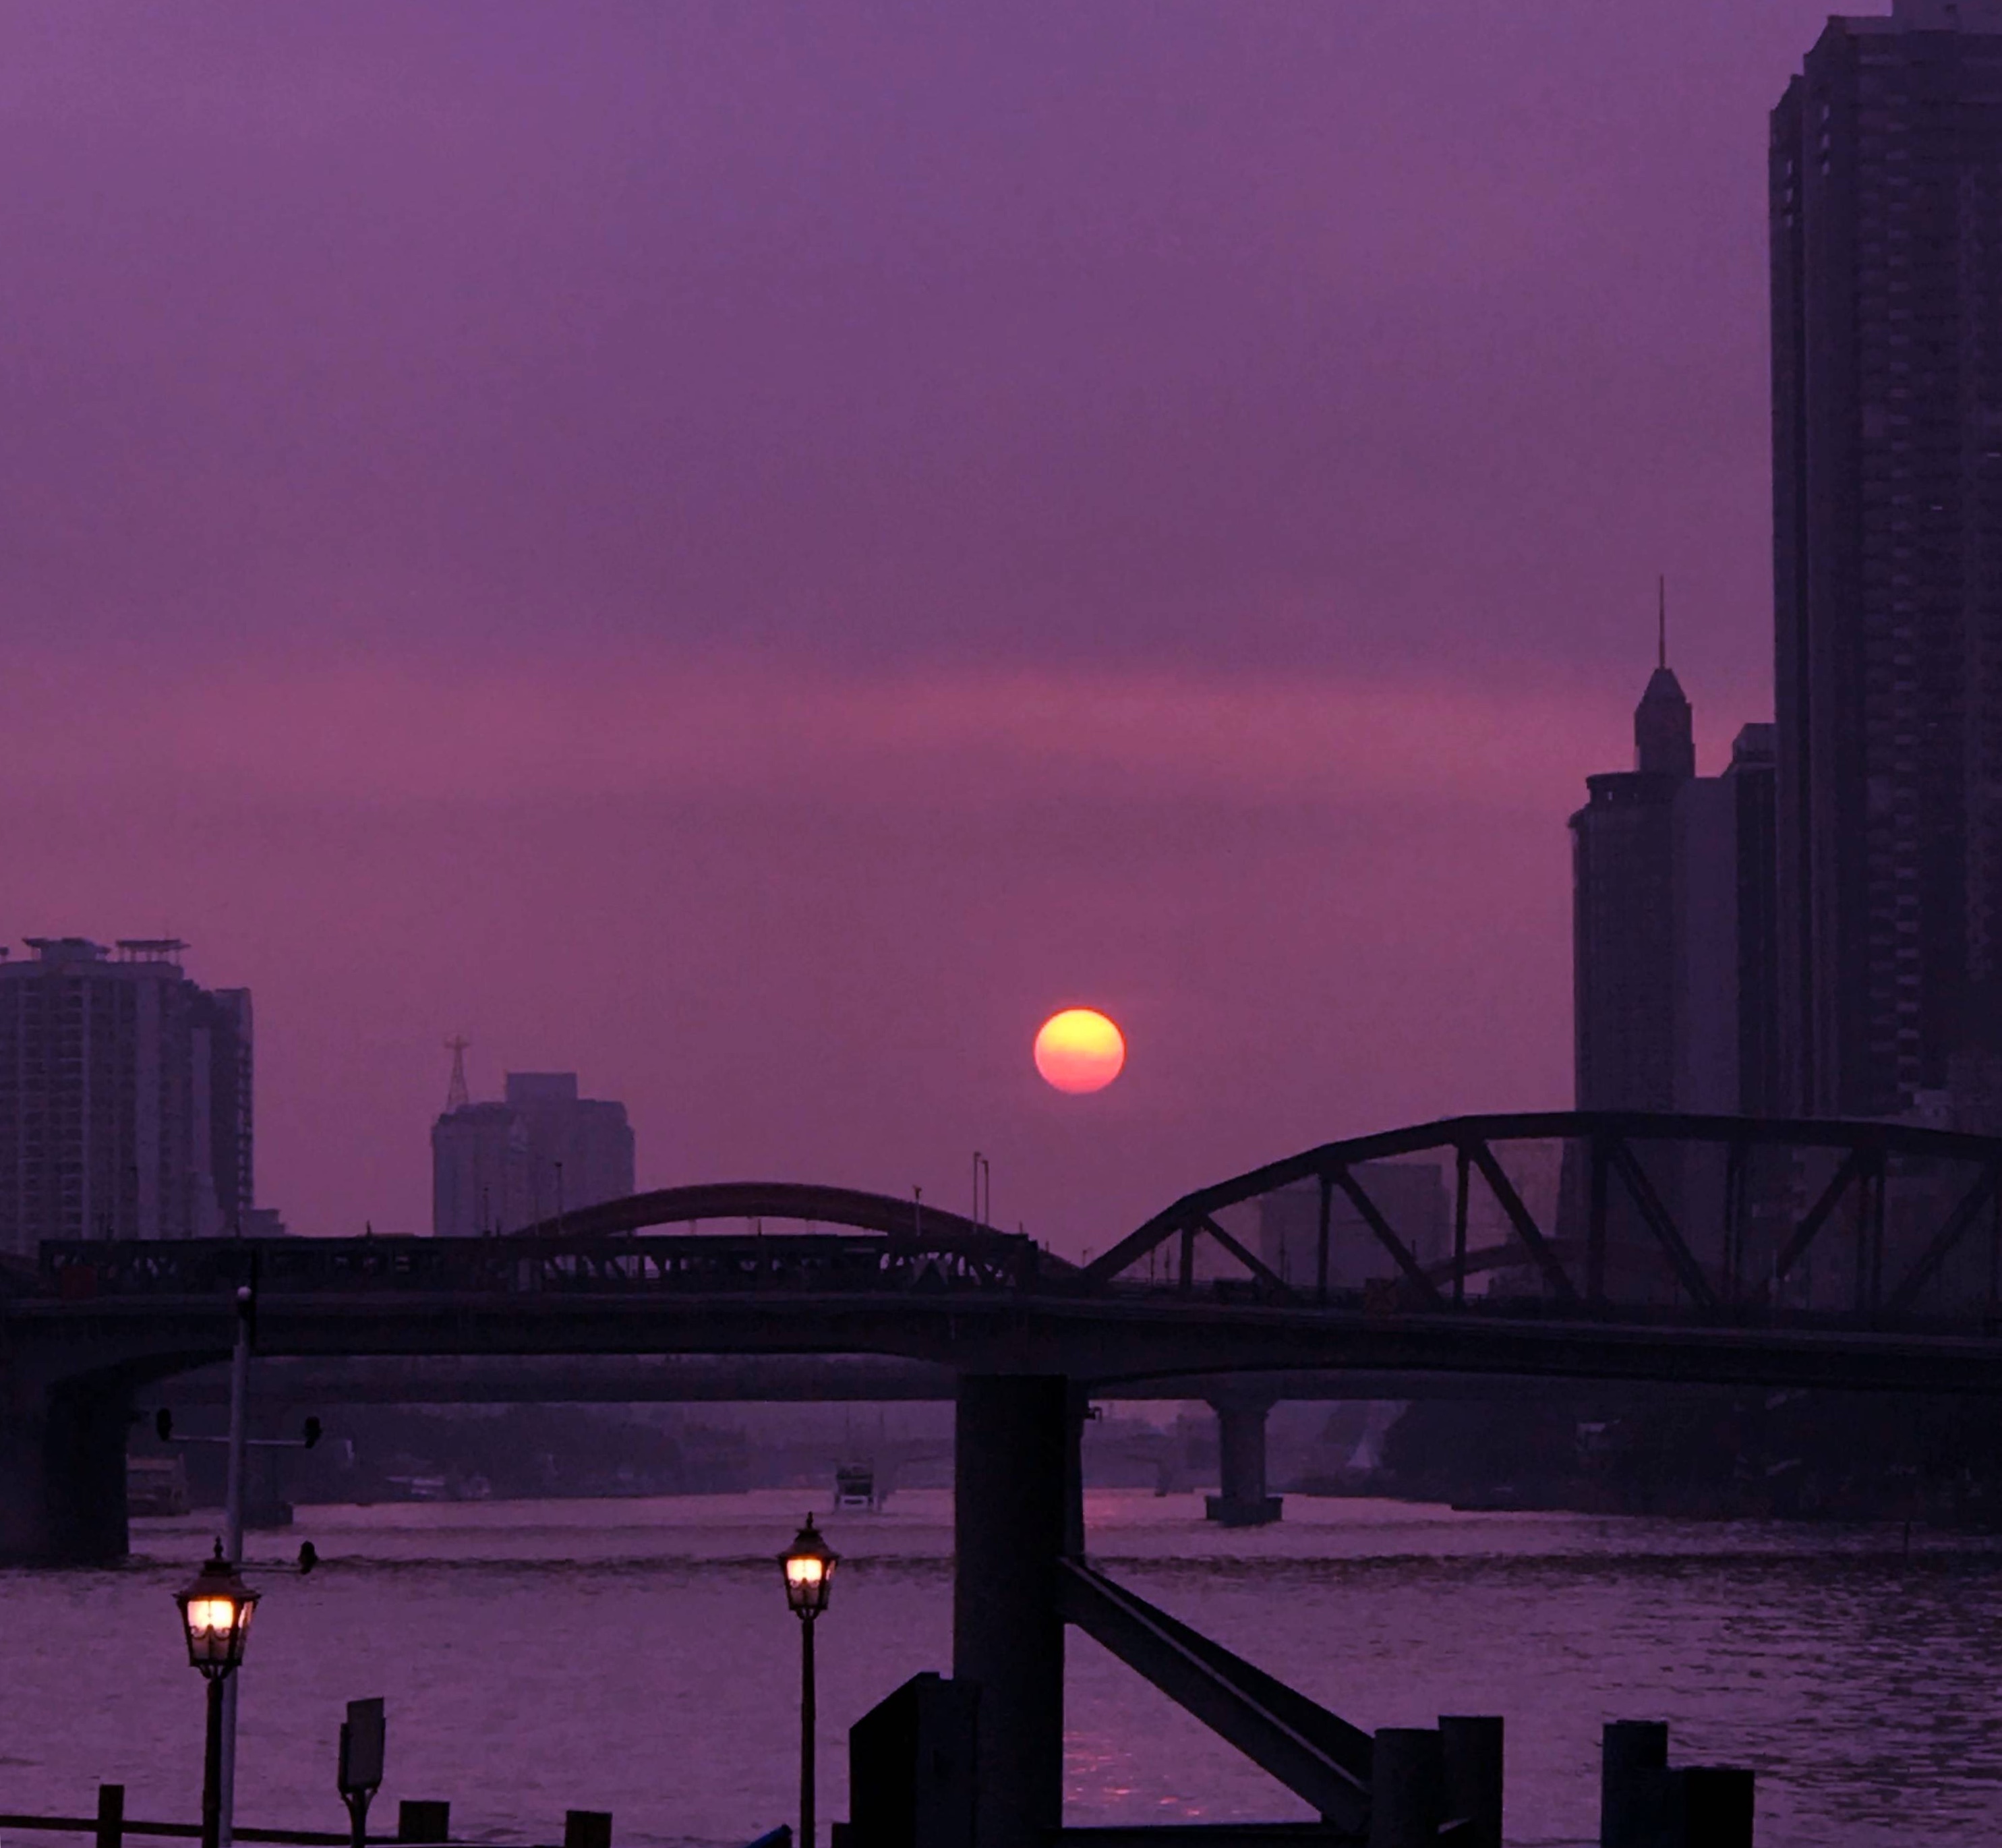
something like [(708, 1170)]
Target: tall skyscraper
[(1672, 951), (125, 1096), (1886, 180), (1726, 1011), (495, 1167), (1622, 889)]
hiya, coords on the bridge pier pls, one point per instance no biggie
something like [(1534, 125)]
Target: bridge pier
[(1017, 1512), (1240, 1448), (62, 1473)]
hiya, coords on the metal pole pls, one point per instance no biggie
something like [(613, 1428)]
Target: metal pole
[(212, 1770), (807, 1721), (1462, 1161), (1320, 1241), (232, 1548)]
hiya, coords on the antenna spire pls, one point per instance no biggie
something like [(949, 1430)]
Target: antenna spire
[(456, 1096), (1661, 621)]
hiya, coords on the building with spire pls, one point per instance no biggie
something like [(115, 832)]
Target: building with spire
[(1673, 927), (1624, 942)]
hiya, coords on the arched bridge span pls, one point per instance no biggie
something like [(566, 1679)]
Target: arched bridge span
[(802, 1203)]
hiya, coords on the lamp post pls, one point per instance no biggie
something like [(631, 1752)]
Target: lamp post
[(215, 1616), (809, 1562)]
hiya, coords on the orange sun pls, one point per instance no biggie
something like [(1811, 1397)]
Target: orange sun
[(1080, 1050)]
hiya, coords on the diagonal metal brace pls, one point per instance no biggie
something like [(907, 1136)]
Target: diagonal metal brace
[(1373, 1218), (1819, 1214), (1949, 1234), (1315, 1754), (1257, 1267), (1527, 1228), (1130, 1249), (1679, 1255)]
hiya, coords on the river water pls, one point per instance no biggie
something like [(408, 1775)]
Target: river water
[(636, 1656)]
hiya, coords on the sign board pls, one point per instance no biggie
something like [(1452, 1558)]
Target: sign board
[(362, 1739)]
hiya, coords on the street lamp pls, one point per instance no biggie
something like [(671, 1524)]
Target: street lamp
[(809, 1563), (215, 1616)]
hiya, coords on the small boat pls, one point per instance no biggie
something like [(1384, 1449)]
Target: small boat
[(155, 1486), (855, 1487), (420, 1488)]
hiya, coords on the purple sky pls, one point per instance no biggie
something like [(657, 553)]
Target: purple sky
[(755, 551)]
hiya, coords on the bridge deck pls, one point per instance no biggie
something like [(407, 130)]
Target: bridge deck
[(1607, 1245)]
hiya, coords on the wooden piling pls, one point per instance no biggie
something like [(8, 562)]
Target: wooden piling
[(420, 1820), (1716, 1806), (1634, 1765), (1471, 1756), (1406, 1780)]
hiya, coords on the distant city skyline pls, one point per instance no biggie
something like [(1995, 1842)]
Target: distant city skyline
[(1837, 898), (756, 555)]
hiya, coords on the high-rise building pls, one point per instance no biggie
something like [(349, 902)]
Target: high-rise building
[(1885, 176), (1726, 1012), (479, 1173), (1673, 950), (496, 1168), (1623, 945), (125, 1096), (580, 1148)]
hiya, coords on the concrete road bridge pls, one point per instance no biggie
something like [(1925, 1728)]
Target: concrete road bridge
[(283, 1391), (1594, 1246)]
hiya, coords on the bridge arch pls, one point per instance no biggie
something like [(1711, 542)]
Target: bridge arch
[(1731, 1214), (802, 1203)]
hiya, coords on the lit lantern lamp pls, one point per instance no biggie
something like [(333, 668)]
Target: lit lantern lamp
[(216, 1612), (809, 1564), (215, 1619)]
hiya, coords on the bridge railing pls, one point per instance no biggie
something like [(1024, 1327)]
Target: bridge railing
[(1651, 1218), (708, 1263)]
